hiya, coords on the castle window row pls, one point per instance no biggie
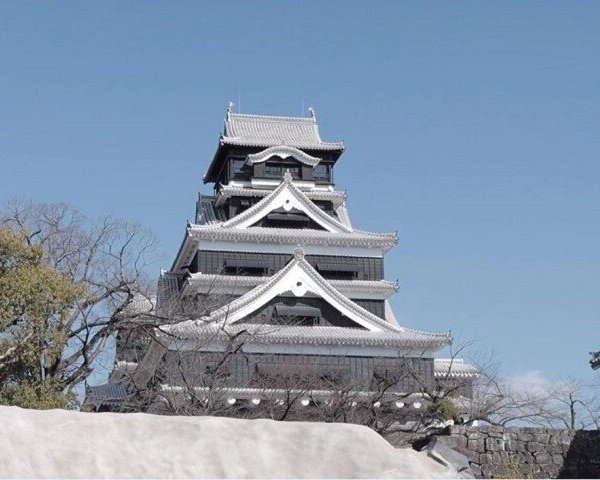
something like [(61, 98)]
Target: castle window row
[(266, 264), (238, 169)]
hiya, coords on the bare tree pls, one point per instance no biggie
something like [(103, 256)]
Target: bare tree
[(570, 404), (186, 383), (552, 404)]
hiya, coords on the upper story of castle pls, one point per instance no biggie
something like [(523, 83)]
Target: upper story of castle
[(256, 150), (273, 191)]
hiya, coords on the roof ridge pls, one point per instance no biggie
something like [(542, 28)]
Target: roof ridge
[(435, 334), (308, 119)]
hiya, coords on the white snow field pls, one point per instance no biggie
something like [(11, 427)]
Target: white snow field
[(62, 444)]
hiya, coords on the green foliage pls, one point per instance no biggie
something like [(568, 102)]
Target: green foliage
[(41, 396), (444, 409), (512, 469), (34, 301)]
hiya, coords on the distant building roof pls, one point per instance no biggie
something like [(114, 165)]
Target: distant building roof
[(112, 392), (268, 131), (453, 367)]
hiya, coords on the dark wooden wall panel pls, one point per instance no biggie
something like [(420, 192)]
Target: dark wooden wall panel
[(411, 373), (212, 262)]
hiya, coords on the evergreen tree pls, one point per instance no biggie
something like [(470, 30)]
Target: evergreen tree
[(34, 301)]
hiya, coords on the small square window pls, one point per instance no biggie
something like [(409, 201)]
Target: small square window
[(321, 171), (238, 166)]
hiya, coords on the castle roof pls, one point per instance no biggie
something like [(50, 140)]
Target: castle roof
[(265, 131), (310, 335), (268, 131)]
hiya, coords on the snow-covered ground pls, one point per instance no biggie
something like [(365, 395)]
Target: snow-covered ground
[(61, 444)]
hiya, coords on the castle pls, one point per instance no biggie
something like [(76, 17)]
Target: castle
[(273, 285)]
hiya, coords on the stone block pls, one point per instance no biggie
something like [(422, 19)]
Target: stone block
[(496, 458), (494, 444), (504, 456), (476, 445), (476, 469), (553, 448), (486, 472), (510, 445), (519, 458), (525, 437), (534, 447), (472, 455), (564, 439), (541, 437), (449, 457), (486, 459), (457, 430), (542, 458), (456, 440), (558, 459), (550, 470)]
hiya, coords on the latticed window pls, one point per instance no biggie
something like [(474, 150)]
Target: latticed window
[(300, 315), (278, 169), (245, 267), (340, 271)]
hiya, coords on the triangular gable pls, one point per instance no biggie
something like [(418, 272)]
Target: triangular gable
[(298, 277), (287, 197)]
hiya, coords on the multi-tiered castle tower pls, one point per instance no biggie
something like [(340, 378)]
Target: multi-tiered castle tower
[(274, 266)]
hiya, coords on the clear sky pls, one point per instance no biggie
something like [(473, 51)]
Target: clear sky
[(473, 128)]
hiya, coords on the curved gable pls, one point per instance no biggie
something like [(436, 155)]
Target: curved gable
[(282, 151)]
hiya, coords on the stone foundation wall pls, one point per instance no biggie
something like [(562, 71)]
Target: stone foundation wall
[(496, 452)]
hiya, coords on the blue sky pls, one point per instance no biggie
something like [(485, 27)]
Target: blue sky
[(472, 128)]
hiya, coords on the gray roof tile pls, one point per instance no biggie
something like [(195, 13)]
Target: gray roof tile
[(267, 131), (453, 367), (112, 392), (263, 333), (206, 213)]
